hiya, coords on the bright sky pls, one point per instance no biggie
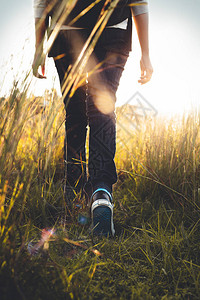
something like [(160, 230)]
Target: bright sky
[(174, 47)]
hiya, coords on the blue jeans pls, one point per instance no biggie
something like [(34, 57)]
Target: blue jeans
[(93, 105)]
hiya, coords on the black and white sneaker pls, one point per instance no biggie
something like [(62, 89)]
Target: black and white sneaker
[(102, 213)]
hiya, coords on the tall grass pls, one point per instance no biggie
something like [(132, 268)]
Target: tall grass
[(165, 152), (155, 252)]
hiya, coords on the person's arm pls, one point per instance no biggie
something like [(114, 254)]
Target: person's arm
[(40, 30), (141, 19)]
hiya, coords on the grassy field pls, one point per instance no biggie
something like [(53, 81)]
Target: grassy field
[(156, 251)]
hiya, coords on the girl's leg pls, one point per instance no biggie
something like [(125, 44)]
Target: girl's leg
[(75, 132), (101, 99)]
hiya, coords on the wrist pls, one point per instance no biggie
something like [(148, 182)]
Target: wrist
[(145, 52)]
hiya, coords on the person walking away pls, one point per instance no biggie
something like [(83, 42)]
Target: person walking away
[(93, 102)]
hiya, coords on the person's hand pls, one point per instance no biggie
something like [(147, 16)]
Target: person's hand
[(146, 69), (39, 61)]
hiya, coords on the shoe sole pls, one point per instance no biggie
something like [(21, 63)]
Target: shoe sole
[(102, 218)]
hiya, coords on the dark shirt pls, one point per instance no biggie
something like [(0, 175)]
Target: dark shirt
[(113, 39)]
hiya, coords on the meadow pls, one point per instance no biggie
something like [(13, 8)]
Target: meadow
[(44, 254)]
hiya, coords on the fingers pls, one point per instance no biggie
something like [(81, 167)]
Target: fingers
[(144, 80), (43, 70), (146, 77), (38, 75), (39, 61), (142, 68), (146, 71)]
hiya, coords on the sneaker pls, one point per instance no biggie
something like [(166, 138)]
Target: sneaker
[(102, 213)]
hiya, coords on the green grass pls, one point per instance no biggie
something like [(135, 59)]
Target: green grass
[(155, 253)]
